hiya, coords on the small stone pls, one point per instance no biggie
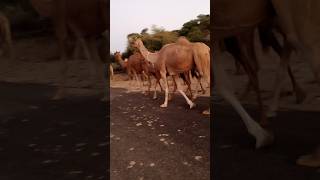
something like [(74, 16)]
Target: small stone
[(152, 164), (131, 164), (198, 158)]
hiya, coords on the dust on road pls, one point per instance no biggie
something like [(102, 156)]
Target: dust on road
[(149, 142)]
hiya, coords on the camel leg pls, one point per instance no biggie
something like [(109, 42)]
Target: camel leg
[(225, 89), (111, 71), (201, 86), (170, 96), (180, 90), (187, 81), (149, 83), (166, 89), (77, 48), (8, 41), (155, 89), (158, 82), (99, 67), (250, 63), (139, 81), (300, 94), (87, 47), (63, 70), (315, 63)]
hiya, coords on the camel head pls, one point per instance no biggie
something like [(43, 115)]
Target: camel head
[(117, 55), (137, 43)]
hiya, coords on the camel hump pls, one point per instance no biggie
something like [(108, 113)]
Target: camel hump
[(183, 41)]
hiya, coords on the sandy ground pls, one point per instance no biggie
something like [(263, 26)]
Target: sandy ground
[(43, 139), (149, 142)]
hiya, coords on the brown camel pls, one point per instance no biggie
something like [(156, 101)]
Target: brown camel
[(172, 59), (84, 19), (5, 35), (136, 67)]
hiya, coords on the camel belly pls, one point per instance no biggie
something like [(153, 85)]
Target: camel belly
[(231, 14)]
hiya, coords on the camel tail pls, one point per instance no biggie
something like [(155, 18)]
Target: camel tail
[(202, 61), (198, 62)]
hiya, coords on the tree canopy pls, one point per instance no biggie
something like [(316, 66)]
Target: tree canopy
[(196, 30)]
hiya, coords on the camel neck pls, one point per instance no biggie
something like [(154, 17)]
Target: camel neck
[(121, 62), (149, 56)]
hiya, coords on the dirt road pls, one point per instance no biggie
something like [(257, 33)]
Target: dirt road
[(43, 139), (152, 143)]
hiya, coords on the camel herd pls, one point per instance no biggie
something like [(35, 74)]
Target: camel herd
[(234, 26), (181, 60)]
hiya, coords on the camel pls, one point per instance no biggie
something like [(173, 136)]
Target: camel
[(228, 23), (244, 23), (173, 59), (135, 66), (84, 19), (5, 35), (299, 21)]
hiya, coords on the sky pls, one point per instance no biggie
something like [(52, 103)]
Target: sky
[(131, 16)]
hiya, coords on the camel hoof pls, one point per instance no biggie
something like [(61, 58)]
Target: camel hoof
[(155, 97), (163, 105), (309, 160), (264, 140), (192, 105)]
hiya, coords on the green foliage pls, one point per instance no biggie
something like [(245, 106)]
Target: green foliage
[(196, 29)]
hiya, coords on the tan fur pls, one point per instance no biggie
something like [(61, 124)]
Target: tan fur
[(173, 59), (134, 66)]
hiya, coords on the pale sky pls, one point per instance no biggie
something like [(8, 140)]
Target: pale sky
[(131, 16)]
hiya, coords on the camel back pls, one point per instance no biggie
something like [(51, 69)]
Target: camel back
[(230, 14), (301, 17), (89, 16)]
